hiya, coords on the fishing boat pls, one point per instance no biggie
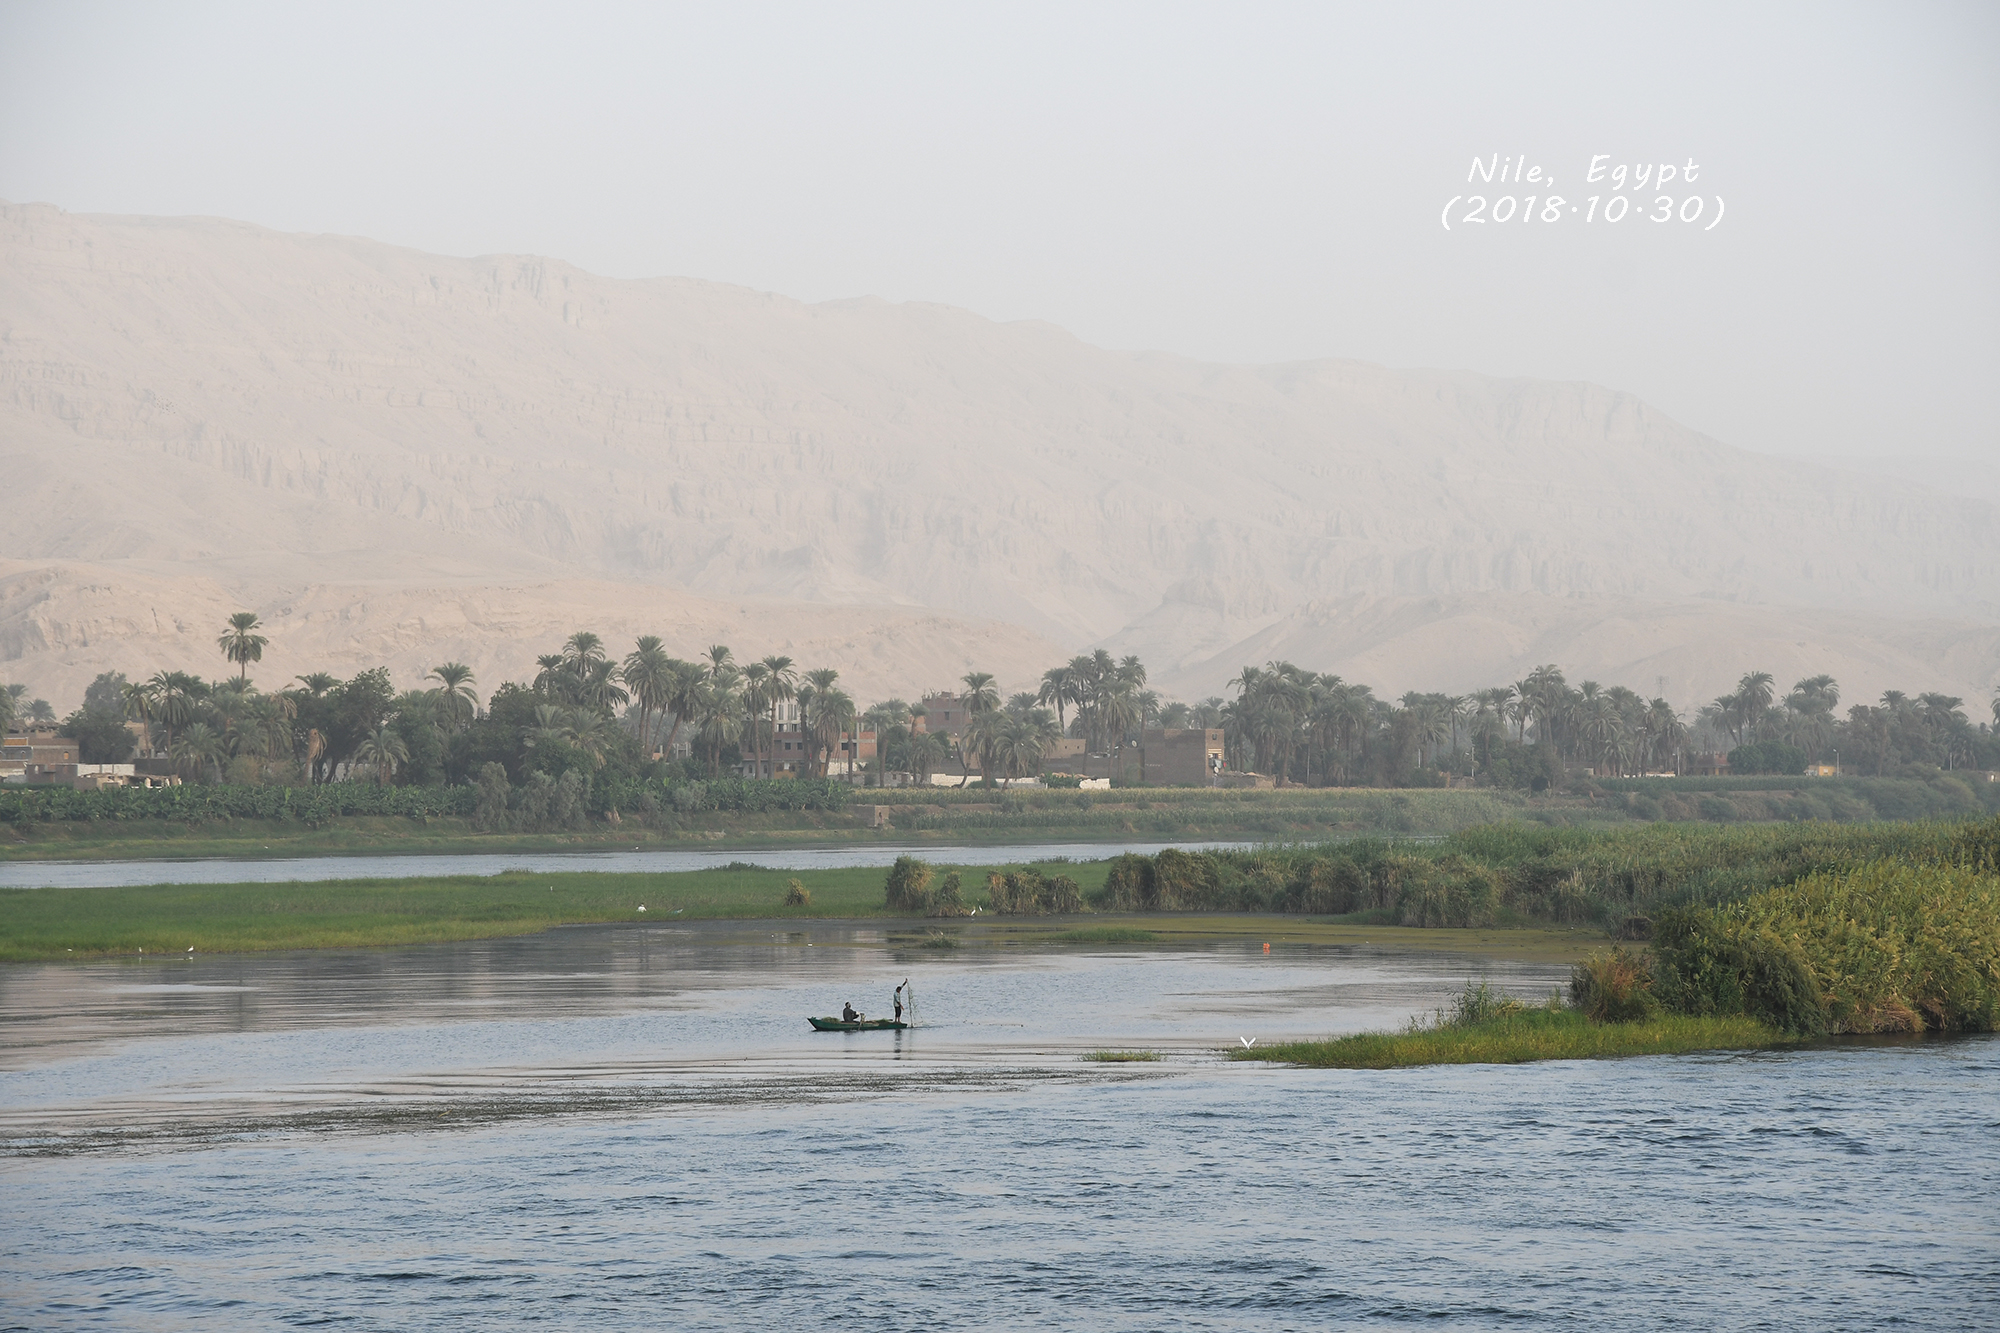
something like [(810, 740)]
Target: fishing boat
[(860, 1025)]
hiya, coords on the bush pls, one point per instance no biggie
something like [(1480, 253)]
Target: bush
[(908, 885), (1767, 757), (1128, 885), (1705, 965), (1612, 987), (797, 894), (1028, 893), (948, 899)]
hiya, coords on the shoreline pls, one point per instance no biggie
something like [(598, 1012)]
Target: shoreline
[(80, 924)]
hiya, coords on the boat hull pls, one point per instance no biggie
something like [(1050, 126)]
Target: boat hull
[(865, 1025)]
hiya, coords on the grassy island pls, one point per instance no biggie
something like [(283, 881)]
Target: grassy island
[(1534, 1034), (1888, 946)]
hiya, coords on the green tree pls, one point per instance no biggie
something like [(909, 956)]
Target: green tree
[(101, 738), (981, 694), (241, 643), (781, 686), (650, 678), (460, 691), (382, 751), (197, 750)]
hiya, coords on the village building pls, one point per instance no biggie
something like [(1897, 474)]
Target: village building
[(1182, 757)]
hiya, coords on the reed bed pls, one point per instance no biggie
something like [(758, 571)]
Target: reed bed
[(1887, 946), (1122, 1057), (1516, 873)]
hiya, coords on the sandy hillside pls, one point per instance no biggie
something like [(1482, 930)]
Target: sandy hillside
[(466, 458)]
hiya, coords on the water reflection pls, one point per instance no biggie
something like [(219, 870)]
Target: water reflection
[(615, 1127), (307, 869), (131, 1041)]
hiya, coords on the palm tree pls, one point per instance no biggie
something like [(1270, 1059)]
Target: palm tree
[(383, 751), (781, 686), (597, 685), (316, 685), (824, 712), (581, 650), (981, 694), (1753, 700), (173, 694), (589, 731), (718, 712), (650, 679), (682, 695), (756, 697), (551, 727), (552, 676), (982, 738), (1022, 742), (1058, 689), (928, 750), (461, 698), (197, 747), (241, 644)]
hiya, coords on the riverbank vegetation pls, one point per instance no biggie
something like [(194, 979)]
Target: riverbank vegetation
[(1906, 943), (1529, 1034), (230, 820), (1516, 874), (80, 924), (591, 737)]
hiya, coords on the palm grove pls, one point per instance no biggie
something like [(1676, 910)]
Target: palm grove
[(602, 719)]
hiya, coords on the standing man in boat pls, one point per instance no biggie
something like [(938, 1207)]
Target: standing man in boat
[(899, 1002)]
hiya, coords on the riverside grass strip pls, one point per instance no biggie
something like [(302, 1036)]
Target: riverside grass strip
[(42, 924), (1520, 1038)]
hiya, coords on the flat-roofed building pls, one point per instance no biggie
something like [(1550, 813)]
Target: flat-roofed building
[(1183, 756)]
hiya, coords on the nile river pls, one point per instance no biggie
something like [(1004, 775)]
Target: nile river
[(632, 1127), (642, 861)]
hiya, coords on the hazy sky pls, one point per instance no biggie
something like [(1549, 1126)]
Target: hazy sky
[(1245, 183)]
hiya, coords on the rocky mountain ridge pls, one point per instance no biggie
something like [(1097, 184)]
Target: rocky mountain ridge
[(193, 409)]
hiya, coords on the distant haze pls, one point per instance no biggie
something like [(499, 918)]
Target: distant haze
[(399, 458), (1234, 184)]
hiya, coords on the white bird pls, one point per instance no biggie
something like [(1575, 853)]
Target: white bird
[(1248, 1042), (642, 907)]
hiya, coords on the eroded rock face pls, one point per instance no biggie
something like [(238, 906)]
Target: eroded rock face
[(242, 416)]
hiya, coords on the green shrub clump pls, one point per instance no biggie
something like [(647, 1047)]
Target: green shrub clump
[(1028, 893), (908, 886), (1613, 987), (1888, 946)]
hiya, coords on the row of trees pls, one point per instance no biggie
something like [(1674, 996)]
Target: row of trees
[(1319, 728), (586, 711)]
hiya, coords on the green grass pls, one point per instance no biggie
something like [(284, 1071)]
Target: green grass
[(239, 918), (1532, 1034), (1105, 935), (1122, 1057)]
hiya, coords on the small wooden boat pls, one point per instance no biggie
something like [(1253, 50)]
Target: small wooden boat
[(864, 1025)]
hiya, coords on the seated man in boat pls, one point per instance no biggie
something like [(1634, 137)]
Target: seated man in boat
[(847, 1015)]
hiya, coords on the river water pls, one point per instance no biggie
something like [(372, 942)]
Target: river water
[(281, 870), (632, 1126)]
